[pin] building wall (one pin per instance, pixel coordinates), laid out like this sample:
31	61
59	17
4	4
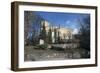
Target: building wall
65	33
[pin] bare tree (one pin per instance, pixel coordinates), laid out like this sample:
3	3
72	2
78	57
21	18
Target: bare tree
32	23
27	23
85	32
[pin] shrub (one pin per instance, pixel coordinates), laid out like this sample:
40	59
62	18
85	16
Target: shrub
41	47
57	48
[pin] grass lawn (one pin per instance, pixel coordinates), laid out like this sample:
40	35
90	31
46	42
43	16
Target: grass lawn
32	54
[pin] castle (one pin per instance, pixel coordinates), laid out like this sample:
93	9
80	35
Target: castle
59	32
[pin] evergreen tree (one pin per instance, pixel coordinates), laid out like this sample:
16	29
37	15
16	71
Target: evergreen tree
43	32
55	35
50	36
58	39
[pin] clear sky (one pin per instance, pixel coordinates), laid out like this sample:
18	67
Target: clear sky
68	20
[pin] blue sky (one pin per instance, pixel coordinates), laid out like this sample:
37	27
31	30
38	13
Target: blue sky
69	20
